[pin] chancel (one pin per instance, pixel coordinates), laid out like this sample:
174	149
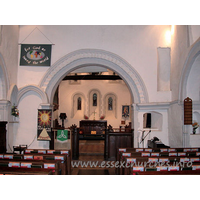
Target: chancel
111	90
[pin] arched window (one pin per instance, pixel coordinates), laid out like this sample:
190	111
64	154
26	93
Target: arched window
79	103
94	99
110	103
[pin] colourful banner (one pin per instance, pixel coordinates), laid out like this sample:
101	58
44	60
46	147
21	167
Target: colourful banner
44	124
35	55
62	135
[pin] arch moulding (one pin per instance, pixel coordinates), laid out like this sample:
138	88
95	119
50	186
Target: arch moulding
192	55
91	57
34	88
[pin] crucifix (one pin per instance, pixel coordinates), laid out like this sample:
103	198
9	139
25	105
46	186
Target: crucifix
94	114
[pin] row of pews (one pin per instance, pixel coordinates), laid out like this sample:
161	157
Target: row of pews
36	162
158	161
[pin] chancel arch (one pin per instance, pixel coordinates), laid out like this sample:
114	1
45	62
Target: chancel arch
88	57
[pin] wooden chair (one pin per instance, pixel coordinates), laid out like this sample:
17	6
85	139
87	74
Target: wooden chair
19	148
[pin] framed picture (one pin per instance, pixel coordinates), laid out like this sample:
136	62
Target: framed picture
125	111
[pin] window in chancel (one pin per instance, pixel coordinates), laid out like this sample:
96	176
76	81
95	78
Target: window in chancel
110	103
94	99
79	103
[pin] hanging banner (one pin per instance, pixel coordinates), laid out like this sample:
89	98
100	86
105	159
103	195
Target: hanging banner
44	124
35	55
62	135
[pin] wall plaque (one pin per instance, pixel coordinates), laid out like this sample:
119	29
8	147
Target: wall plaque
187	111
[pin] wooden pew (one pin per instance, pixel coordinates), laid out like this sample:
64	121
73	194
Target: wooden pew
168	170
27	171
61	159
145	156
152	162
59	152
27	166
184	172
191	149
155	152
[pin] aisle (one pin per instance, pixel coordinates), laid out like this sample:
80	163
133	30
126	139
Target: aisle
91	158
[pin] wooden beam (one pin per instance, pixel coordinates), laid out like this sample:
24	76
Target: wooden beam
92	77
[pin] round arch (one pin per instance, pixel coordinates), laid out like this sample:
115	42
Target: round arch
192	55
34	88
87	57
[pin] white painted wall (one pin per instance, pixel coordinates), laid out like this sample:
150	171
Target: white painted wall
175	125
135	44
193	83
160	132
179	52
8	65
27	127
67	91
9	50
195	33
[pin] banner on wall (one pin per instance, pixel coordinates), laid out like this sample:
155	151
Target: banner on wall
62	135
35	54
44	124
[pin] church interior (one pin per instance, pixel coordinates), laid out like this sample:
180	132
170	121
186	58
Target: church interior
74	95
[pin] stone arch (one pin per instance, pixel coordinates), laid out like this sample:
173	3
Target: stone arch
34	88
4	80
194	52
87	57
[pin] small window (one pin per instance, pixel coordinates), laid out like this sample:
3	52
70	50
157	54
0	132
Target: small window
147	120
94	99
79	103
110	103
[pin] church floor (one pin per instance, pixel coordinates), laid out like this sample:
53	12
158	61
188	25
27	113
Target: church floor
91	155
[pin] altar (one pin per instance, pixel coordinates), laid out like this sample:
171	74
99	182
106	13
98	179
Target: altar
92	129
